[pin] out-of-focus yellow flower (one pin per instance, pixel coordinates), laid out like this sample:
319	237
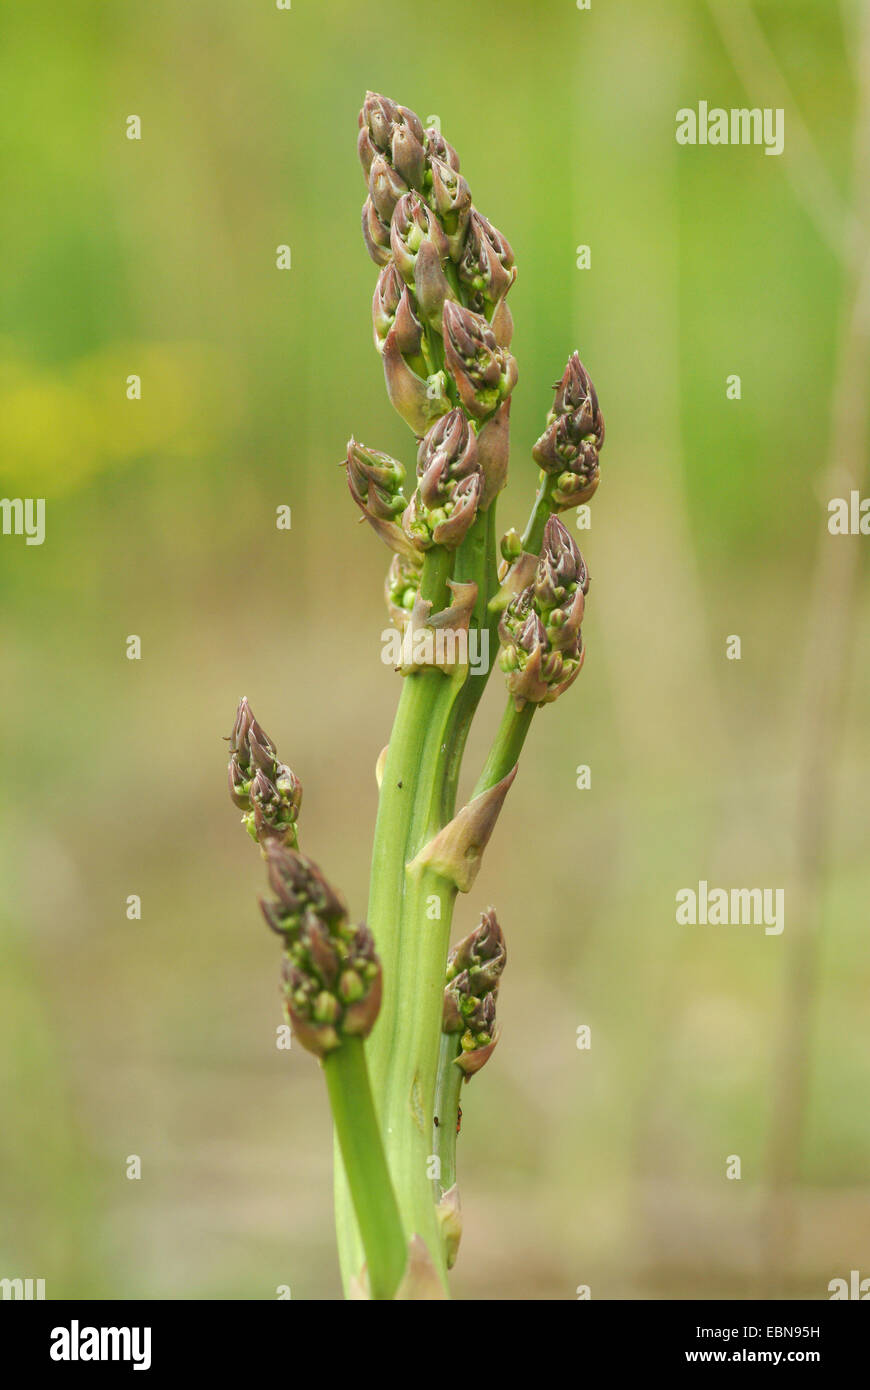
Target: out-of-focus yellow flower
60	427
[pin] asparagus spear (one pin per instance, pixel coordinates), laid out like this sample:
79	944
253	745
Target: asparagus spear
331	986
443	330
469	1036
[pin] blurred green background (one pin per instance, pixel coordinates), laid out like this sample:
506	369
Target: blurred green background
157	257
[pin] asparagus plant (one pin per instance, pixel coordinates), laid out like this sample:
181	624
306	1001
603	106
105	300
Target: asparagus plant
400	1026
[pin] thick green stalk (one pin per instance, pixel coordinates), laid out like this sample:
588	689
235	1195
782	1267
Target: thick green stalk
418	796
424	930
423	692
365	1164
410	1057
409	776
411	901
476	560
385	907
409	1096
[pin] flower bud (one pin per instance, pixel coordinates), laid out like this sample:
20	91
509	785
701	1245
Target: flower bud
449	484
448	524
300	889
511	546
401	588
419	400
413	226
408	151
446	453
275	805
386	187
485	374
409	120
560	585
366	150
391	305
540	628
439	148
376	233
482	955
331	972
451	198
474	970
376	481
267	790
377	117
431	285
570	445
486	265
376	484
332	984
240	786
396	134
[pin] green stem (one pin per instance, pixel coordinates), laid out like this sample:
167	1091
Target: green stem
475	560
503	755
532	539
433	348
365	1164
409	794
424	932
409	1083
450	1078
480	564
507	745
437	569
408	1063
533	536
411	919
386	900
454	282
